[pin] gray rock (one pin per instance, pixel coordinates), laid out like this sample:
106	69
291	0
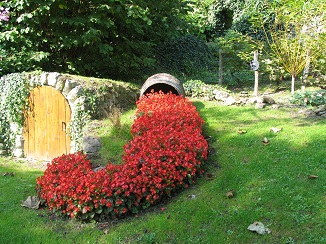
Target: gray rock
75	93
229	101
276	106
91	144
242	101
307	112
320	109
220	95
52	78
98	168
60	84
19	142
322	113
260	105
69	85
32	202
18	152
43	78
268	99
92	156
253	100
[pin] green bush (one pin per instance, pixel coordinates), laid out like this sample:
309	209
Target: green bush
199	89
188	55
94	38
14	91
312	98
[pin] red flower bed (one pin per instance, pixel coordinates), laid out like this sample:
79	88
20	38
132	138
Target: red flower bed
165	155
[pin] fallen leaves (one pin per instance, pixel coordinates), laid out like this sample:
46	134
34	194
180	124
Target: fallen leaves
265	141
313	177
259	228
241	131
230	194
12	174
192	196
276	130
209	176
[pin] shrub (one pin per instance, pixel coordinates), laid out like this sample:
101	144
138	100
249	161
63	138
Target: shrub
165	155
187	55
312	98
96	38
199	89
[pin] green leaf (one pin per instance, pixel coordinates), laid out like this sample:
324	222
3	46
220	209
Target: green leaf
63	6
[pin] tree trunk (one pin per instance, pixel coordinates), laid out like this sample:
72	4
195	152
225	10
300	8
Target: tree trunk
256	75
292	85
305	73
220	70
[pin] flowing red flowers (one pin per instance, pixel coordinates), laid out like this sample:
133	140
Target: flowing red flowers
165	155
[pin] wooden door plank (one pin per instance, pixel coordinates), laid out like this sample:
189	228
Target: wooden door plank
39	123
55	139
67	135
45	137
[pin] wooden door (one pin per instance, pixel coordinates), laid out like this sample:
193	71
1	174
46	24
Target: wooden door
45	130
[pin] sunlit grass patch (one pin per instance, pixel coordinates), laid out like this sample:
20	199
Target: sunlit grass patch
271	184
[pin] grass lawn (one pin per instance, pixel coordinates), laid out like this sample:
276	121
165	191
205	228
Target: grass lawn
271	184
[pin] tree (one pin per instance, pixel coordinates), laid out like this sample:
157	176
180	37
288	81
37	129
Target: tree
112	38
288	37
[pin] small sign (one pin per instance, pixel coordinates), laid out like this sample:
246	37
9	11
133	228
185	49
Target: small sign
254	65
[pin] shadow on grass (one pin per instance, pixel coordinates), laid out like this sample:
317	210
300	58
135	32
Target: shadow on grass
112	145
23	225
272	180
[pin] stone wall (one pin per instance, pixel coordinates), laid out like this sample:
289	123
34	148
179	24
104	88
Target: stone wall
109	94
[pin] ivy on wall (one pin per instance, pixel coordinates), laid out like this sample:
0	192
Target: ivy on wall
14	90
79	118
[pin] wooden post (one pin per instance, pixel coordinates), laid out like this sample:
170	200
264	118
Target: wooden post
220	67
256	75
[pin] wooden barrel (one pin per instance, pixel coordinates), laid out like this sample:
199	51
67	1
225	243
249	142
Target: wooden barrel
162	82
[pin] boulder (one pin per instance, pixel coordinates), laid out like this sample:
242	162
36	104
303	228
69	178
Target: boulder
321	110
220	95
52	78
43	78
307	112
75	93
69	85
268	99
32	202
229	101
260	105
276	106
253	100
91	144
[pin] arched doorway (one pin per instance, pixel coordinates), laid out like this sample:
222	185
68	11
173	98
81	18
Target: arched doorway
45	129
